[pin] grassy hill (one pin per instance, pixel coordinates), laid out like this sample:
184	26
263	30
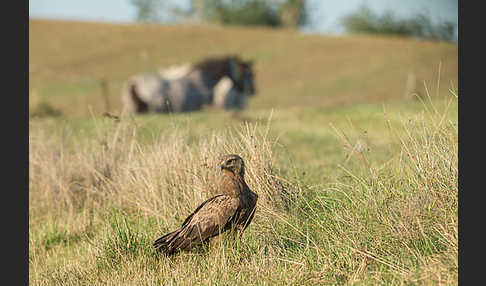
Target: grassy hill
67	60
357	180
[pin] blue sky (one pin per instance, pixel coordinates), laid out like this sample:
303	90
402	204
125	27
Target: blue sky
324	13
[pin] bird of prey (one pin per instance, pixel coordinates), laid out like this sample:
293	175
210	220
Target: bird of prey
231	210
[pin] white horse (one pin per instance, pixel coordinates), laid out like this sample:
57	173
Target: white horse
224	83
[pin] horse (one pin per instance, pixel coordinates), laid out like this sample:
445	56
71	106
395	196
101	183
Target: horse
189	92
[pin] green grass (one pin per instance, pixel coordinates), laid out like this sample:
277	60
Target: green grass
386	214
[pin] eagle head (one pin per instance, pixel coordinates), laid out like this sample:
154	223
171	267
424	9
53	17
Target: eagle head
233	163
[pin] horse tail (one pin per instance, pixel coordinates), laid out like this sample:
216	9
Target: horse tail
141	106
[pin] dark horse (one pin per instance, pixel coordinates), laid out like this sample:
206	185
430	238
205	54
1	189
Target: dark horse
152	93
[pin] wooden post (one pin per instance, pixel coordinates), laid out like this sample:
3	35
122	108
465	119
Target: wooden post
411	89
105	94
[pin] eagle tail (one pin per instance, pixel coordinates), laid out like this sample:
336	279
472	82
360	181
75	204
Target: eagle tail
173	241
163	243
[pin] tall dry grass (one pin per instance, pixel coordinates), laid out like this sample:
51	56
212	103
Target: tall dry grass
96	206
402	215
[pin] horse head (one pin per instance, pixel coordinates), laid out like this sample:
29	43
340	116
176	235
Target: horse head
242	75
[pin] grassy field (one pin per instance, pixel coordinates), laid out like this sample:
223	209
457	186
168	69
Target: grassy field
357	180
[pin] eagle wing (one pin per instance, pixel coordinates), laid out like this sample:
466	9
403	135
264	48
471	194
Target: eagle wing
212	217
247	216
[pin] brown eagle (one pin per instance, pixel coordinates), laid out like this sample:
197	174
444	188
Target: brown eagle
232	209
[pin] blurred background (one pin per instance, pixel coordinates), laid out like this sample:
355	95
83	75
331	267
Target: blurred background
306	53
314	63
